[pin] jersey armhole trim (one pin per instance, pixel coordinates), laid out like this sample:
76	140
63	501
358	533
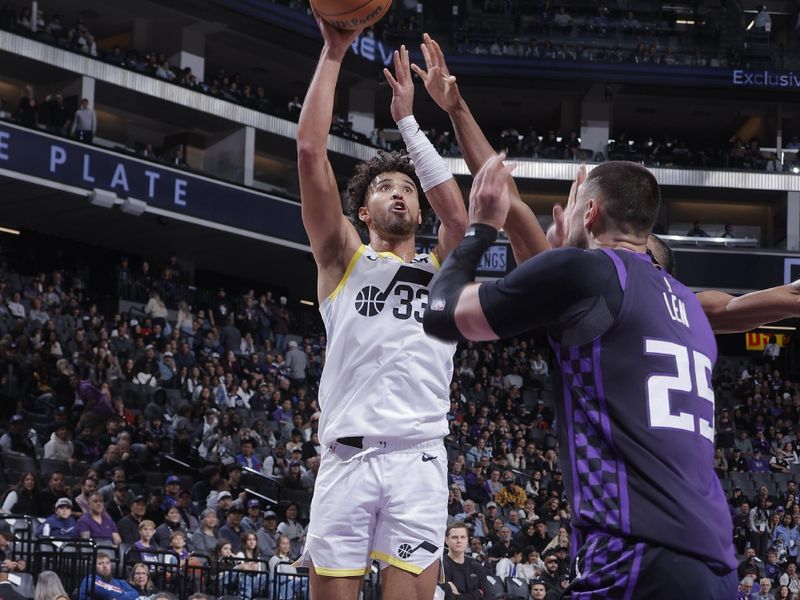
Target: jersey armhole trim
435	260
350	266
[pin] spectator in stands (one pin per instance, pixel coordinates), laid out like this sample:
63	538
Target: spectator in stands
696	231
763	20
23	498
538	590
507	566
510	494
144	550
281	563
96	524
60	446
463	576
106	587
562	20
178	158
791	579
17	439
27	114
84	123
87	488
550	576
253	582
247	457
292	528
204	540
267	534
759	528
252	520
232	531
128	526
8	561
140	581
57	121
785	538
156	309
172	523
296	364
60	524
56	489
49	587
772	352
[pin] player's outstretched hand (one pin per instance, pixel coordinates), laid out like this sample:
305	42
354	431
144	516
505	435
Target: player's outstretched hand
489	201
441	85
559	232
402	85
338	40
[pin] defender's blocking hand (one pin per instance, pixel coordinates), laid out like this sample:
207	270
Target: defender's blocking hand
439	83
489	201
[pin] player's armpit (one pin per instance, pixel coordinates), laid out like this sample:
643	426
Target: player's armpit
728	314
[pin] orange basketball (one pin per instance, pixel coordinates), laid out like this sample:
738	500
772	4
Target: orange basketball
351	14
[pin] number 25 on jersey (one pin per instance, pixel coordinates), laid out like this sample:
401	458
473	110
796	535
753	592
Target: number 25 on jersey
693	373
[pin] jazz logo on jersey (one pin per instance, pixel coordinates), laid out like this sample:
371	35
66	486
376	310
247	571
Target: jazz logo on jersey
371	300
675	306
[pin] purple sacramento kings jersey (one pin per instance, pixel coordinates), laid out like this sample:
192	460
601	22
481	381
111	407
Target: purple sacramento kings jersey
637	417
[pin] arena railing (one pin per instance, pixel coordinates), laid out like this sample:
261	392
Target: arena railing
686	240
72	560
287	585
22	526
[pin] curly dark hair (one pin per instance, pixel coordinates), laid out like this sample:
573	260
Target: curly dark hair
384	162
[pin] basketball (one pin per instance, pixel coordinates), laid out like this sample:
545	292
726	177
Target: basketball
351	14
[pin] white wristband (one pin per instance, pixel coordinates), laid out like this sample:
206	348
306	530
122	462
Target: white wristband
430	167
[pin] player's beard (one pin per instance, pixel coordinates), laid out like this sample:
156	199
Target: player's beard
396	225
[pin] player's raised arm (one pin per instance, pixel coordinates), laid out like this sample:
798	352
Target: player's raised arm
454	309
437	181
729	314
522	228
333	238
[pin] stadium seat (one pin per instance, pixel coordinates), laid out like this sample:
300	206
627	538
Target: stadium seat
516	588
26	587
47	466
80	468
782	479
14	465
795	469
494	587
760	478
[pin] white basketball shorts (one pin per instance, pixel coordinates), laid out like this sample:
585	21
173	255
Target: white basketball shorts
385	502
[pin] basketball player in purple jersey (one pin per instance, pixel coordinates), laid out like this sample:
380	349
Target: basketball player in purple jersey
634	357
726	313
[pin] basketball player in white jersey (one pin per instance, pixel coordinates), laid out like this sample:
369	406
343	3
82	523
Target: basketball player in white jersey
381	493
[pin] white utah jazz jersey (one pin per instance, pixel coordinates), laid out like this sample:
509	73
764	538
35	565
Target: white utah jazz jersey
383	375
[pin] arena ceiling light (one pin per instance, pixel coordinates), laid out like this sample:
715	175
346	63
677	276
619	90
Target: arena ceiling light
102	198
307	302
10	231
132	206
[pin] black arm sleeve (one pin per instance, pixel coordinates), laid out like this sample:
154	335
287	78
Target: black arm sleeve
553	289
456	272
